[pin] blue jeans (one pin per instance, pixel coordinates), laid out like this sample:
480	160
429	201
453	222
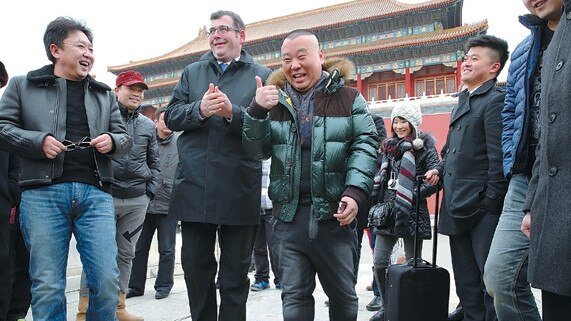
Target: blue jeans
48	217
306	247
505	273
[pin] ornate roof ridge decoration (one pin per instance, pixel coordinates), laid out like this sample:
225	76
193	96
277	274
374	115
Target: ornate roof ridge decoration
320	18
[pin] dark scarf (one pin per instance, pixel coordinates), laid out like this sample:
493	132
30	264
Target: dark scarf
304	105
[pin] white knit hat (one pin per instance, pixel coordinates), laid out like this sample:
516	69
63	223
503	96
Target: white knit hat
411	112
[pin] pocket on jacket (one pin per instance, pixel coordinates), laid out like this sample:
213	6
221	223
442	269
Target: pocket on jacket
279	188
466	199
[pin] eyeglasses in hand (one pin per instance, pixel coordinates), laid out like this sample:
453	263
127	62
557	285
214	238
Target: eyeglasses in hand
221	30
83	143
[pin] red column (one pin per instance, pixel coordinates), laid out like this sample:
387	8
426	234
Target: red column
408	82
458	73
360	84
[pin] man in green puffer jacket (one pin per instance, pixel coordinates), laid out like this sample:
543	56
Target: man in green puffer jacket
322	141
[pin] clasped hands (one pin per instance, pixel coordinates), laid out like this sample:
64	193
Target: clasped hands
215	102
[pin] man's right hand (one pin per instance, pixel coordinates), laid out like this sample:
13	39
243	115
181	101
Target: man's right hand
51	147
266	96
526	225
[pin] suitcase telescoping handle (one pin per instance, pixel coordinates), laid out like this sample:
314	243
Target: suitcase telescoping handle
436	212
419	180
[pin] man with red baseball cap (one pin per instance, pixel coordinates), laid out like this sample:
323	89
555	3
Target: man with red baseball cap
133	187
130	78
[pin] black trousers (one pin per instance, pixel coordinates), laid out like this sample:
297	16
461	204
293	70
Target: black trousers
469	252
555	307
15	282
199	265
166	237
264	256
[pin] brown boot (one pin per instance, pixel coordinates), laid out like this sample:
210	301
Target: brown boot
122	314
81	308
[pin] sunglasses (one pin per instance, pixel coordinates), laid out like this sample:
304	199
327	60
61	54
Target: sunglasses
83	143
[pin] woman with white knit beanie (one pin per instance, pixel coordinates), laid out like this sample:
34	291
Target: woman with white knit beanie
407	152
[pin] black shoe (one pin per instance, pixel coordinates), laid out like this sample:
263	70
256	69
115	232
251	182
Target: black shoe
161	295
456	315
375	303
379	316
132	293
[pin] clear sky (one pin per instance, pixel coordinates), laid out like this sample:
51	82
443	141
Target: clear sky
133	30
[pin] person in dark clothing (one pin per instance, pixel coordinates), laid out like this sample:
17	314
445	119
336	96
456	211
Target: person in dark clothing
474	186
66	127
264	256
14	257
408	151
216	185
157	219
363	223
547	204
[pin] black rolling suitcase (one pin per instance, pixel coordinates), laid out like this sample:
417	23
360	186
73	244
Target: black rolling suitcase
418	290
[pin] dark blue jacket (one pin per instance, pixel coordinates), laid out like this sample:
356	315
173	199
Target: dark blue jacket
515	114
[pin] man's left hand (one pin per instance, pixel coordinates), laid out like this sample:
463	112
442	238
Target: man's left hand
103	143
347	215
226	110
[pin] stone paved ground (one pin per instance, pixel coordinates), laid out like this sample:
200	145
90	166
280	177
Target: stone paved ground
262	306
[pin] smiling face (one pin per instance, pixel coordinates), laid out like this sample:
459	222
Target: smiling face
130	96
228	45
302	62
401	127
549	10
74	59
479	66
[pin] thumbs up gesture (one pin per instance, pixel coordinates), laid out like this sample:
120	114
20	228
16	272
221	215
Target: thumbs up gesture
266	96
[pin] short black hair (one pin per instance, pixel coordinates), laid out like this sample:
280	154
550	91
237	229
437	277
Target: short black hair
58	30
497	45
238	22
3	75
298	33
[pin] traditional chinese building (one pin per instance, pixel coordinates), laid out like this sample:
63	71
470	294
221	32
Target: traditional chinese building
400	50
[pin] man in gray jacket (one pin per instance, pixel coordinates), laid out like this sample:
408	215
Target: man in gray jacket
65	126
136	182
157	218
548	202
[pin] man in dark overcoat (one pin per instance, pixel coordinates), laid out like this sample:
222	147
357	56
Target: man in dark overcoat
548	202
474	185
216	185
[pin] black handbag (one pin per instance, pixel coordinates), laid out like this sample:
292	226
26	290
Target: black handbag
382	215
